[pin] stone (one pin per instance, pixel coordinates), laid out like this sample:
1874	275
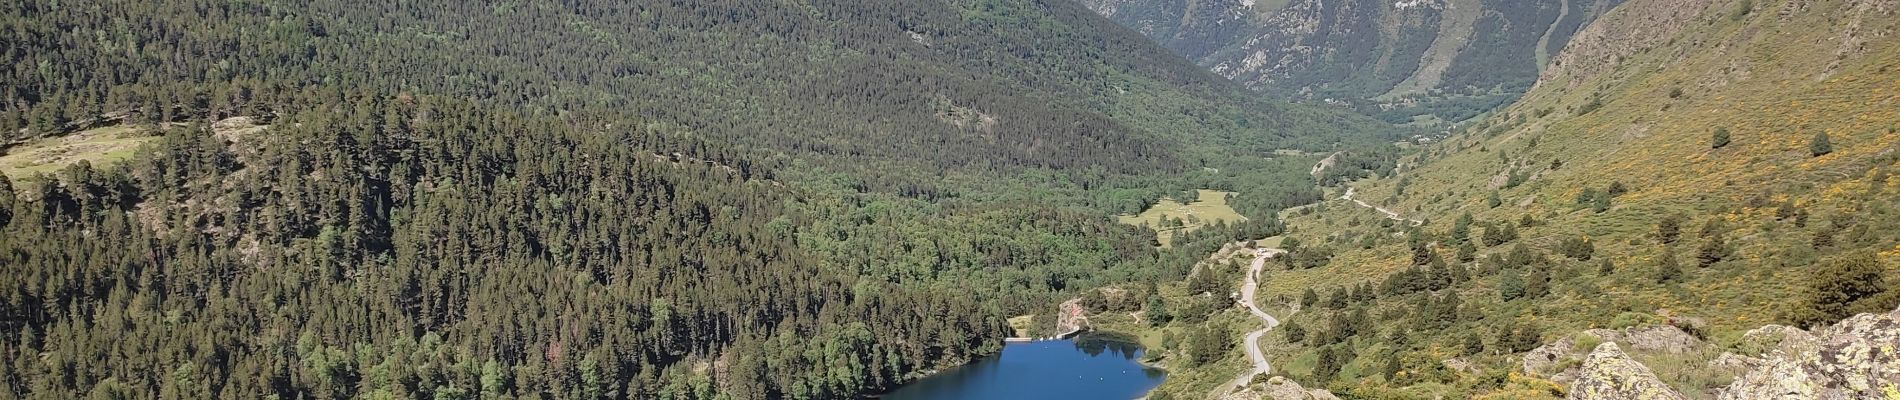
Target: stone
1541	358
1662	338
1609	374
1858	358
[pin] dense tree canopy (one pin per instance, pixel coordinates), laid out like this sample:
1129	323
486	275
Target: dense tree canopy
592	198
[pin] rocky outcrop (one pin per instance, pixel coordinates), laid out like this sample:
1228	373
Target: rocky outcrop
1545	360
1664	338
1543	357
1280	388
1856	359
1766	340
1609	374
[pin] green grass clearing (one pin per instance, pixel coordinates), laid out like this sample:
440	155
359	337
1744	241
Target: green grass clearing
98	146
1170	215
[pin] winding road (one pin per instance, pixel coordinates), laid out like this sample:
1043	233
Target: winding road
1247	290
1252	285
1389	214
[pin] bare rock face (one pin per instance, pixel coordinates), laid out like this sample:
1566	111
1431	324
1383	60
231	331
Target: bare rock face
1769	339
1542	357
1280	388
1856	359
1735	363
1543	360
1663	338
1609	374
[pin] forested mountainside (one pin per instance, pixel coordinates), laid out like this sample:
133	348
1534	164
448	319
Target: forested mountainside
1433	61
1695	181
690	199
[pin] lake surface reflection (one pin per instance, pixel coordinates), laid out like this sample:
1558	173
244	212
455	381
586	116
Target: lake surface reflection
1088	367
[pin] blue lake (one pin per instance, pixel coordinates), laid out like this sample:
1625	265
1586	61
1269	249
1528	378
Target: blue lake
1083	368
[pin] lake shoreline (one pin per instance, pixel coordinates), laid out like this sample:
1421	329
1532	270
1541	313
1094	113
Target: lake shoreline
1037	369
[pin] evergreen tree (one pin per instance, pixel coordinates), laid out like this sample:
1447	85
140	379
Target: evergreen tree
1617	189
1510	285
1667	270
7	198
1294	332
1823	239
1461	230
1337	300
1328	364
1820	146
1473	344
1581	248
1669	229
1207	344
1537	283
1712	251
1308	298
1492	200
1844	286
1156	311
1601	202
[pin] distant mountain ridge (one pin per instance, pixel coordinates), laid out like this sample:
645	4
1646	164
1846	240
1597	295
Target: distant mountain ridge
1447	60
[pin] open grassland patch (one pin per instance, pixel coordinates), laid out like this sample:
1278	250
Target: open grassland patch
1169	215
98	146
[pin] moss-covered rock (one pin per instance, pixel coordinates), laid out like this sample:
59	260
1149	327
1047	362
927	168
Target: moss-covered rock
1858	358
1610	374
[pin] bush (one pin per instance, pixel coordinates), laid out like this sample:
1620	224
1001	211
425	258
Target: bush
1719	139
1578	248
1845	286
1669	229
1712	251
1820	146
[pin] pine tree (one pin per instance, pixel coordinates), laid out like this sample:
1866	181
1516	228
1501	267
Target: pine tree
1337	300
1327	366
1669	229
1820	146
1667	270
1473	344
1156	311
1308	298
6	201
1510	285
1712	251
1845	286
1461	230
1537	283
